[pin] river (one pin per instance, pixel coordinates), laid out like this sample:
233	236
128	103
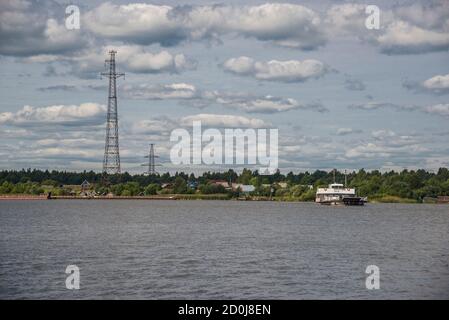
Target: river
161	249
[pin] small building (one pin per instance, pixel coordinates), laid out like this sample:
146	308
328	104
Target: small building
166	185
443	199
192	184
223	183
85	186
283	185
244	188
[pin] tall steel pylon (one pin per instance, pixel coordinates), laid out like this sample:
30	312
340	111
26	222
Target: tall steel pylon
111	161
151	161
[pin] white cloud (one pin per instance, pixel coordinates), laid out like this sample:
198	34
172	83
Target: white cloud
224	121
160	92
275	70
415	28
26	29
284	24
69	143
135	22
32	28
199	98
368	150
427	15
267	104
144	62
380	150
402	37
241	65
64	153
388	144
346	131
439	109
407	29
260	104
437	84
85	113
346	19
288	25
162	126
373	105
383	134
133	58
156	126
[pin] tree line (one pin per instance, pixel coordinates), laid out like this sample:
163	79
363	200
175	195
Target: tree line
406	184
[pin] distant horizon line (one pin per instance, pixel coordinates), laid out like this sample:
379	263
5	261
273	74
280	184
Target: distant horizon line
238	171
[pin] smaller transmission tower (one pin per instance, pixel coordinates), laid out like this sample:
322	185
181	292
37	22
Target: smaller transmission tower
151	161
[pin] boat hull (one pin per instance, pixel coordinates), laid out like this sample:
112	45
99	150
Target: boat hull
346	201
354	201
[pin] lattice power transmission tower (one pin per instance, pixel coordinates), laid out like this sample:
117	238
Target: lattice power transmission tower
111	161
151	161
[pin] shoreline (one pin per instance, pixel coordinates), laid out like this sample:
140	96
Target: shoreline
186	197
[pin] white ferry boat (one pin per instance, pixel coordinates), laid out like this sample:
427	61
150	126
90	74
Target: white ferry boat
337	194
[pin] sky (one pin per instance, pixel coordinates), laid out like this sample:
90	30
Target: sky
341	95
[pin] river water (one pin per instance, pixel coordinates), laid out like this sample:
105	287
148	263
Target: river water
221	250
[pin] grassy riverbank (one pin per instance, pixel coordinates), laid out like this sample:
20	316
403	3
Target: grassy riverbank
224	196
391	199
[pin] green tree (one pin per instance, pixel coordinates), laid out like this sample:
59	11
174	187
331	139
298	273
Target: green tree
152	189
245	176
49	182
309	195
6	187
132	188
255	181
211	188
180	185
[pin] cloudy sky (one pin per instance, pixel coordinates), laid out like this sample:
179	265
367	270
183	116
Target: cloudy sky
340	94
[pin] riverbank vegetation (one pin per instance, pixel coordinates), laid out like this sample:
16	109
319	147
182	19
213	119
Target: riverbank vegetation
392	186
